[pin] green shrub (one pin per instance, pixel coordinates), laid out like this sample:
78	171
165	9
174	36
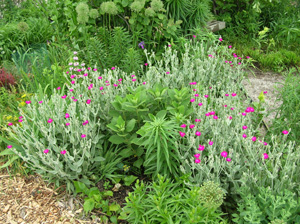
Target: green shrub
165	201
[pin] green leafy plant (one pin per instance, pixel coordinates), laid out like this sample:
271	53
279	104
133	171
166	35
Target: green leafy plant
265	206
94	199
165	201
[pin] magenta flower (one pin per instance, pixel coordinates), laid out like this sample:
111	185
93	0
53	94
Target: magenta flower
201	147
224	154
192	100
146	64
50	121
113	68
28	102
206	96
115	85
183	126
233	94
265	92
94	69
247	57
83	136
210	142
101	88
167	73
228	159
266	156
220	39
67	124
230	117
232	108
58	88
86	122
88	101
20	117
144	83
192	126
89	68
85	74
72	97
239	63
265	143
169	45
71	90
230	62
194	36
64	96
133	80
73	82
75	100
226	61
207	114
100	77
198	133
215	117
200	104
10	124
197	120
285	132
63	152
182	134
40	102
244	136
9	146
67	115
120	80
254	139
229	46
244	114
226	94
212	113
67	72
245	127
106	81
196	95
46	151
20	120
194	90
225	105
197	156
72	76
197	160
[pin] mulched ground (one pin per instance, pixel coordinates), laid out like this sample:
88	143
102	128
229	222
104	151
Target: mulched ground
30	200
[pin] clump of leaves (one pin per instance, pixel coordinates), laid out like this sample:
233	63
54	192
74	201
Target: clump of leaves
211	194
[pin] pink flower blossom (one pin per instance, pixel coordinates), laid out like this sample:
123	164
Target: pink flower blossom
169	45
215	117
230	62
71	90
75	100
67	115
192	126
46	151
182	134
197	120
232	108
254	139
167	73
239	63
230	117
20	120
266	156
63	152
40	102
197	160
101	88
113	68
244	114
206	96
265	143
9	146
88	101
196	95
194	90
64	96
226	61
133	80
200	104
85	74
72	76
67	124
212	113
120	80
244	136
265	92
194	36
10	124
58	88
245	127
89	68
50	121
146	64
228	159
198	133
233	94
220	39
83	136
210	142
225	105
86	122
27	102
73	82
115	85
192	100
183	126
224	154
285	132
197	155
144	83
229	46
67	72
226	94
201	147
94	69
247	57
20	117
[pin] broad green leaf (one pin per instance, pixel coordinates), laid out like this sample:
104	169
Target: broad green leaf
93	191
125	153
99	159
114	207
128	180
130	125
108	193
114	219
120	121
81	188
161	114
140	151
115	139
89	205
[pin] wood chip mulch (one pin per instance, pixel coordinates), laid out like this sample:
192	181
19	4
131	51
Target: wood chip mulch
29	200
